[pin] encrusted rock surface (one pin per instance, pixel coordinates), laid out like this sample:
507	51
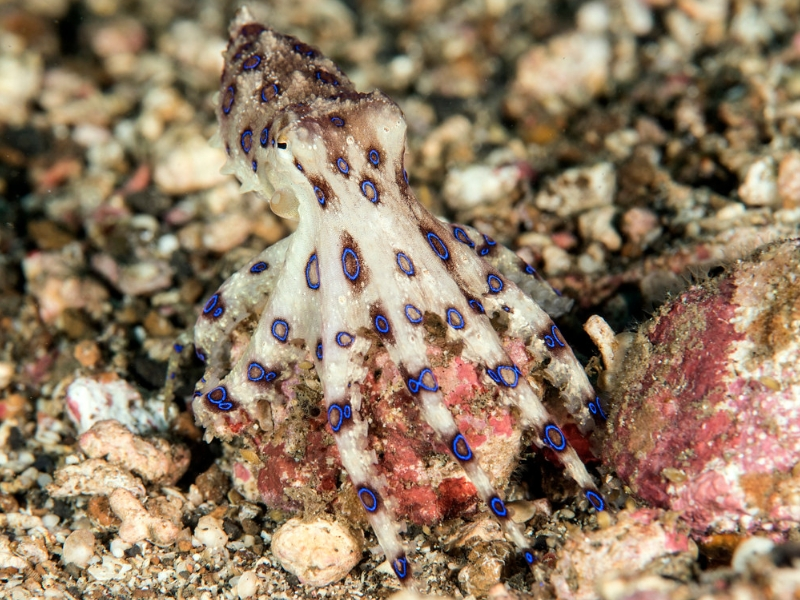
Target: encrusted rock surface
705	417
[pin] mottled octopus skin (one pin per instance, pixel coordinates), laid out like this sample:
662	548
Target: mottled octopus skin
371	296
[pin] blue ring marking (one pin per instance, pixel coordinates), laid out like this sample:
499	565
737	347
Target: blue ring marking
178	348
341	414
489	241
484	251
220	403
299	166
320	195
201	357
459	324
319	351
251	62
405	264
462	237
498	507
275	92
264	137
344	339
596	500
371	505
493	374
210	304
366	187
218	312
405	176
400	566
247	140
529	556
304	49
415	385
277	323
326	77
312	263
558	447
338	121
596	408
345	253
476	305
530	270
553	339
335	413
495	284
259	267
255	166
232	91
503	380
374	157
432	238
417	318
507	309
342	165
467	454
381	324
260	373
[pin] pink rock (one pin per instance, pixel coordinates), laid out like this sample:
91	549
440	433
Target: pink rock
705	419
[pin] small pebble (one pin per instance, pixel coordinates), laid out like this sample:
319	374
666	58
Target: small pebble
318	552
93	399
578	189
78	548
50	520
210	533
248	584
748	550
87	353
479	185
6	373
566	72
789	180
759	187
597	225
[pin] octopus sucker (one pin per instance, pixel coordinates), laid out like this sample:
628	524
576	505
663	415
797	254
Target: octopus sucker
383	299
